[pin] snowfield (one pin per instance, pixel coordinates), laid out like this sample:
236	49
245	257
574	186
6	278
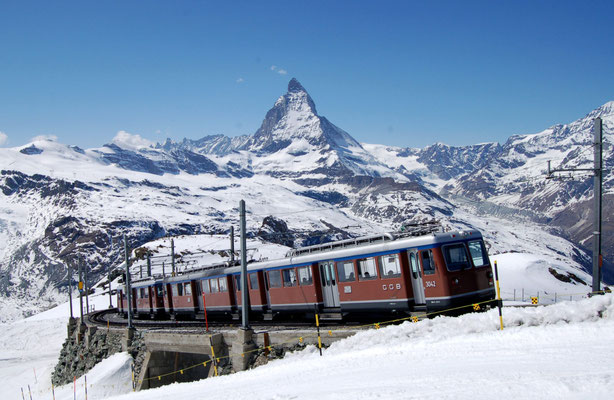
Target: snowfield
560	351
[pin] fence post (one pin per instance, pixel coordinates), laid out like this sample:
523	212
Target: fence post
499	301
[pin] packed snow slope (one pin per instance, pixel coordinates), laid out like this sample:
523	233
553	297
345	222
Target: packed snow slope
561	351
304	180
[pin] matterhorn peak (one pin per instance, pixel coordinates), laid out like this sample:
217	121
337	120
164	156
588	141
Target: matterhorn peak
295	86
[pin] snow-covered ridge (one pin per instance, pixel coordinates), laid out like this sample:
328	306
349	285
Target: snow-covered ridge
61	203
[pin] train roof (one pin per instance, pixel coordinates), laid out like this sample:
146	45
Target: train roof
369	248
329	251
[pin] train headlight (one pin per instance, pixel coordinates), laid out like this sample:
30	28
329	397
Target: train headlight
490	275
455	281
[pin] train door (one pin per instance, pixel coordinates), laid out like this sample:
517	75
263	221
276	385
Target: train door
416	277
330	291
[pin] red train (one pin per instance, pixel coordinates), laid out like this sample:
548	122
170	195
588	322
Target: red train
376	274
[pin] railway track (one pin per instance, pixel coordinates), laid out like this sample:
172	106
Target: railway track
111	318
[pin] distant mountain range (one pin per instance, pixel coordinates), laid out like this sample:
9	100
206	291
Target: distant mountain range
304	179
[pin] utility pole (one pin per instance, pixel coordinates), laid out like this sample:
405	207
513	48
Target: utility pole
109	276
128	285
232	245
598	185
173	256
110	296
70	290
148	263
87	289
244	288
80	293
597	171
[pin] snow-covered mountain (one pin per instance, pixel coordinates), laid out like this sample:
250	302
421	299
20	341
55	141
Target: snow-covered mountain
304	180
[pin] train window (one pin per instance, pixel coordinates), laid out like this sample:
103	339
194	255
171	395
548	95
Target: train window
223	285
180	289
174	290
456	257
274	279
253	280
478	253
345	270
389	266
289	277
304	276
367	269
205	286
428	263
159	291
238	282
187	289
197	289
214	286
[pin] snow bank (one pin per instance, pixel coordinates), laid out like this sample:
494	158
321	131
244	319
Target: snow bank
560	351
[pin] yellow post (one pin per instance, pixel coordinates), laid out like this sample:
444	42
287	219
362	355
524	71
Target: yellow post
213	356
499	301
319	338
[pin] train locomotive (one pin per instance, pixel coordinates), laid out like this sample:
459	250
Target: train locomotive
383	274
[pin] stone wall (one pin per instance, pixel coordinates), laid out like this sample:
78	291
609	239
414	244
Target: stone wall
85	348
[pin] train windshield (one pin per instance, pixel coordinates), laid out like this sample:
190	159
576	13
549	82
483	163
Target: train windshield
478	253
456	257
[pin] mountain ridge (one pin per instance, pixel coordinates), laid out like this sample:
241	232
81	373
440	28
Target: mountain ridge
64	205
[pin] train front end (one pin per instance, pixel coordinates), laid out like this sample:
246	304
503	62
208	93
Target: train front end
463	280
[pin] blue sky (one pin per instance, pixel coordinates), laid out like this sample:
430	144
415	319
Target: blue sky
403	73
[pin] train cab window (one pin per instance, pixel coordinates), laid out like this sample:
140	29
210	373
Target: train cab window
205	286
289	277
428	263
367	269
223	285
304	276
389	266
214	286
274	279
478	253
345	271
456	257
180	289
187	289
253	280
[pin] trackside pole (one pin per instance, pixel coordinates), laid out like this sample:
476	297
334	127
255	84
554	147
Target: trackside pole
244	288
213	356
318	328
499	301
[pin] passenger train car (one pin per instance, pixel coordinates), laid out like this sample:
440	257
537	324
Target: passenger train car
376	274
